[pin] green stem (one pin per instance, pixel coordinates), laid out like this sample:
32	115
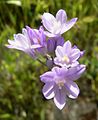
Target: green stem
41	62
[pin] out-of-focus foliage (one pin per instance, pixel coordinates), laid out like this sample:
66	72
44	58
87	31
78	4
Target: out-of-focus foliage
20	87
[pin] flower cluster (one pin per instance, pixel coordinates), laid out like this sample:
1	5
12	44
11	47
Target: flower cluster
62	58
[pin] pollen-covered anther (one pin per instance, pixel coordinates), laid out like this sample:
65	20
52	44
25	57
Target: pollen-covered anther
65	59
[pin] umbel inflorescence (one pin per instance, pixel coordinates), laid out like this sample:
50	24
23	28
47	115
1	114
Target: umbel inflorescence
61	57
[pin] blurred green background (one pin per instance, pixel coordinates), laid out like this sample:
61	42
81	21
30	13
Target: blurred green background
20	88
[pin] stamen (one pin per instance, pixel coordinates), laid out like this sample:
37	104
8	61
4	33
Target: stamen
65	59
60	84
38	41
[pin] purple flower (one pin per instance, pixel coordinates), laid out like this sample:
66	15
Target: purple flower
59	83
31	41
57	26
67	55
52	43
38	39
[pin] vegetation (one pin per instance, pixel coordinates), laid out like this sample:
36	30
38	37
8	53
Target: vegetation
20	87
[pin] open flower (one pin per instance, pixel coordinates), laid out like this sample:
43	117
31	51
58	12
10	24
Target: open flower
59	83
67	55
31	41
57	26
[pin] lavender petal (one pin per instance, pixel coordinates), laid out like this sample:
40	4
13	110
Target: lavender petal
48	90
47	77
75	54
75	72
67	47
61	16
72	89
59	52
48	21
68	25
60	98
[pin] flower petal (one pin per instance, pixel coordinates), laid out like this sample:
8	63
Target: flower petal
75	54
68	25
36	46
54	42
61	16
59	52
15	45
74	64
48	21
75	72
60	72
42	36
60	98
33	35
47	77
50	34
51	45
82	53
48	90
72	89
60	41
67	47
57	61
21	40
25	33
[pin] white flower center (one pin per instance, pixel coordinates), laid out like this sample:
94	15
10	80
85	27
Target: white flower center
65	59
60	82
